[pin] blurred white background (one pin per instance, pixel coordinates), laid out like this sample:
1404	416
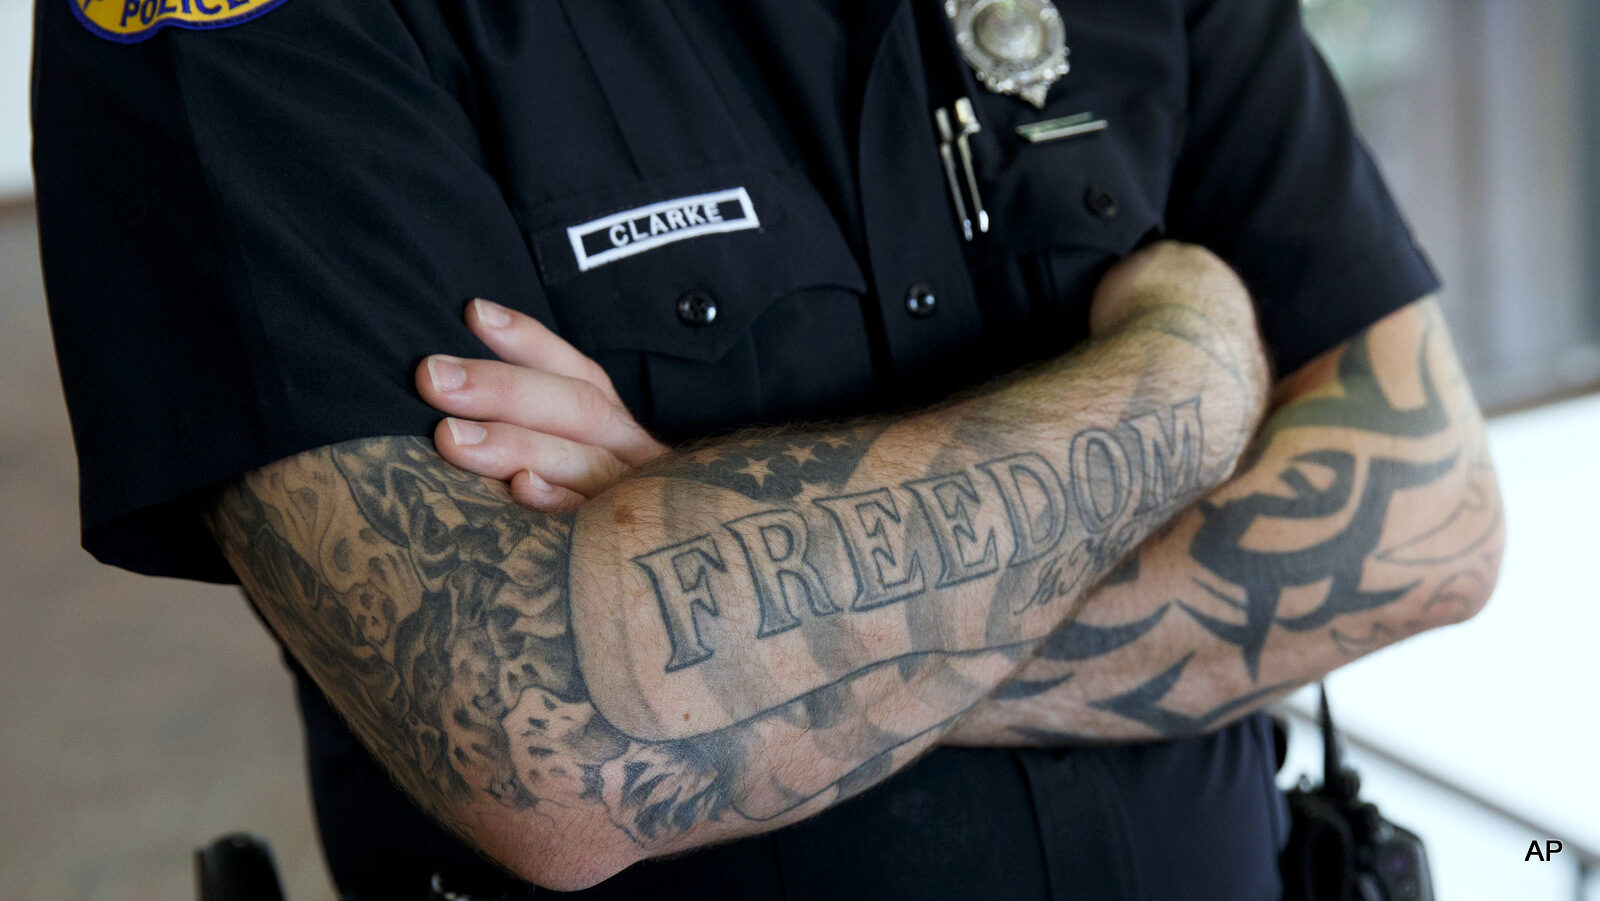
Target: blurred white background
140	717
16	37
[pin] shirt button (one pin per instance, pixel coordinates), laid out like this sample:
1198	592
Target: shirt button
1100	202
697	308
920	301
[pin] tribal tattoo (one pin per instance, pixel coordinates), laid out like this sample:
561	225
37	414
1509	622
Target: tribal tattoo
1355	489
1319	546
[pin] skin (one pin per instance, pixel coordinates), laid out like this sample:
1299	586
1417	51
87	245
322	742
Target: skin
1368	511
727	639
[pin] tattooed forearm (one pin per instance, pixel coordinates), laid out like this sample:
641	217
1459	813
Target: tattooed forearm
1367	512
978	554
738	637
1264	577
773	585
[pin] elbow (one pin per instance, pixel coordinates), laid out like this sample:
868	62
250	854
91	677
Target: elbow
1485	567
571	872
1489	579
1483	580
1464	582
1462	594
558	856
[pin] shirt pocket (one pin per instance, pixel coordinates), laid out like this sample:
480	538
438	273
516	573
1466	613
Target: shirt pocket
1087	192
670	275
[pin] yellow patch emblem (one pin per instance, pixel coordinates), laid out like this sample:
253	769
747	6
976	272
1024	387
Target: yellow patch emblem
131	21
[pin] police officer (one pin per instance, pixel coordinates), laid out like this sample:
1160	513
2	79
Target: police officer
258	216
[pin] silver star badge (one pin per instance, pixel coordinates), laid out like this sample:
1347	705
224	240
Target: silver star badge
1017	47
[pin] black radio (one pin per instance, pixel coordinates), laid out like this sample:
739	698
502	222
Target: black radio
1340	847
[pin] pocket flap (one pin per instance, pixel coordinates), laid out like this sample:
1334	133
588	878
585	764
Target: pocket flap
1075	193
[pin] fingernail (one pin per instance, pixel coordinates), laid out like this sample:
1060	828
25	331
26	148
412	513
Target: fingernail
466	433
537	484
491	314
447	373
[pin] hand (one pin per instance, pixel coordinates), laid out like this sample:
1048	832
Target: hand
544	417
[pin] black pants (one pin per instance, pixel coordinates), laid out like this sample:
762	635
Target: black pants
1194	819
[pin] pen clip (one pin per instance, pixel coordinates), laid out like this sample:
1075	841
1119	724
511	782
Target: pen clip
967	118
947	135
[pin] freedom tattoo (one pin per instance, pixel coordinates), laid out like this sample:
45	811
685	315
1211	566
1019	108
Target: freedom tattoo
881	530
800	581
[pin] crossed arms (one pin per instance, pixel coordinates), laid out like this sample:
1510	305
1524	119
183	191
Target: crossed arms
731	639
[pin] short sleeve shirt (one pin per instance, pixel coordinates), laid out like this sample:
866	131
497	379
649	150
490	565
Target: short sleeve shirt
252	233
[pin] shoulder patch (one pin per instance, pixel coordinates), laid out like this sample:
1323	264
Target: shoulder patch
131	21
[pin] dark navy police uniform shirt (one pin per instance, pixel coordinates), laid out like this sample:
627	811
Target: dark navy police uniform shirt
253	233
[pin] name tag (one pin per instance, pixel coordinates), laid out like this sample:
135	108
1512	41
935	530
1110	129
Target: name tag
645	228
